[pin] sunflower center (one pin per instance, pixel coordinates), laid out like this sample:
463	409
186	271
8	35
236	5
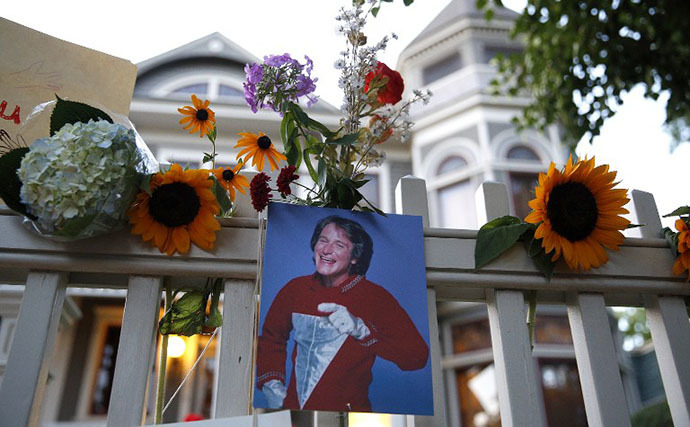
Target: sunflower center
174	204
201	114
228	175
572	210
264	142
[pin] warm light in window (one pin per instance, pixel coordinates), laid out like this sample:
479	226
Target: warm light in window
359	419
176	346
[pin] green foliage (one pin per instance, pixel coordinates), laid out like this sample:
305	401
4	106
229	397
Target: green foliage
632	322
73	112
581	56
657	415
221	196
498	235
683	210
188	315
11	185
375	10
672	240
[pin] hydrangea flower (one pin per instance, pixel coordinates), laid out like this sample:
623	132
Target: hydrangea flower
83	177
280	78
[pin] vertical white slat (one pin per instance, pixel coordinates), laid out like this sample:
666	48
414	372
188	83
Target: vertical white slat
234	369
135	351
519	397
410	199
668	321
597	364
519	400
27	366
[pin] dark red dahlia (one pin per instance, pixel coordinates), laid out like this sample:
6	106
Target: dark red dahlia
287	175
260	191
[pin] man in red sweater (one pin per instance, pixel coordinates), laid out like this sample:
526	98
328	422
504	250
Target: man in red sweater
340	322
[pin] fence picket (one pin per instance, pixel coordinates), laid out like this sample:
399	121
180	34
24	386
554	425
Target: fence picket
135	352
233	376
27	366
597	364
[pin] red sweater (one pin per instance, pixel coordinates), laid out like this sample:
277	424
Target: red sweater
345	383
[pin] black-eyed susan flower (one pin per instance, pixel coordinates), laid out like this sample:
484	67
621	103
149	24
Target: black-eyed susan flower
682	262
258	147
230	179
198	117
180	208
578	212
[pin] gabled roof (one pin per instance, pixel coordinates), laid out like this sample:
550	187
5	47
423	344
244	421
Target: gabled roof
214	45
455	11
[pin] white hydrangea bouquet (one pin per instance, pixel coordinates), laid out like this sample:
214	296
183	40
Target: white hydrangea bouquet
80	181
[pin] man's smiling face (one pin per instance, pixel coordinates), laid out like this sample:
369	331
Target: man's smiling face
333	255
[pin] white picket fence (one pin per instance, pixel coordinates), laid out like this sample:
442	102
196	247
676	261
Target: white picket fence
638	274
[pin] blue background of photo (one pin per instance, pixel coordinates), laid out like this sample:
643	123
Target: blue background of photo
397	264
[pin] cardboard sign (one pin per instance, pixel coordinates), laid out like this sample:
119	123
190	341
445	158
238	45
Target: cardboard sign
35	67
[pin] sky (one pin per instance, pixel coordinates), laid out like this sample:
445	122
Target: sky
632	141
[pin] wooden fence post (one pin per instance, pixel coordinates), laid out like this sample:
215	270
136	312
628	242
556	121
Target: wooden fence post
410	199
519	399
27	366
668	322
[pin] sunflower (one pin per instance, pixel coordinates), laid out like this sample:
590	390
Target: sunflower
180	208
682	262
199	117
578	212
230	179
256	147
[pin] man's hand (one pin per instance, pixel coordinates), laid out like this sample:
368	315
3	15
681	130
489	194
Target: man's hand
343	321
275	392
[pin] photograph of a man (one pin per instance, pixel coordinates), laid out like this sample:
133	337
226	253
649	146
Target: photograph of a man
337	320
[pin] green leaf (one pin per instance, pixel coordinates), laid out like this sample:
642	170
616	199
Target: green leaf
322	169
375	11
535	250
287	118
672	240
73	112
11	185
292	148
215	319
221	196
631	225
212	134
207	157
683	210
307	161
496	237
186	315
348	139
300	115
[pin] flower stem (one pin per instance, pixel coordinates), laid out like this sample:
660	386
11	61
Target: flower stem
162	363
531	314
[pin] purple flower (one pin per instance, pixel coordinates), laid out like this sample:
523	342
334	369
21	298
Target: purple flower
279	79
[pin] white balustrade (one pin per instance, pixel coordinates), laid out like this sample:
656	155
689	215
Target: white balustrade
638	274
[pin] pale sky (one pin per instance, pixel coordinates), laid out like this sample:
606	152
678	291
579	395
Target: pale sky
632	142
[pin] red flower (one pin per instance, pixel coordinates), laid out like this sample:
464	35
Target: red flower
260	191
390	92
193	417
287	175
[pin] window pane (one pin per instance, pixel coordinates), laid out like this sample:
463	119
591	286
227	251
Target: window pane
441	68
471	336
104	376
562	393
451	164
522	191
197	89
552	330
521	152
224	90
478	396
456	206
